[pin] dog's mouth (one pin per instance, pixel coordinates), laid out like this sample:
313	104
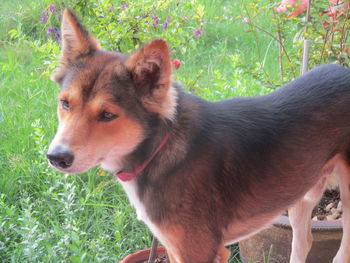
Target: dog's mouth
63	160
65	167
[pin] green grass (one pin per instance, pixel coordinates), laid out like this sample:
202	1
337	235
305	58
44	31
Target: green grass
46	216
222	39
49	217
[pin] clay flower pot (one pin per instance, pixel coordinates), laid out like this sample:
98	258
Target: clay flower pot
274	243
141	256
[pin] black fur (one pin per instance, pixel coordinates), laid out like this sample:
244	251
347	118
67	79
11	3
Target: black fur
247	150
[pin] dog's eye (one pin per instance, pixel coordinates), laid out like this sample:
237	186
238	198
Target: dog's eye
65	104
107	116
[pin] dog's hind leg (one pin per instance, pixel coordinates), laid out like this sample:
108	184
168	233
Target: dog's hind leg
300	219
343	171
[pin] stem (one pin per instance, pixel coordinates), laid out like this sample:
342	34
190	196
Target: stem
258	47
305	62
272	36
280	41
153	254
280	51
343	34
324	46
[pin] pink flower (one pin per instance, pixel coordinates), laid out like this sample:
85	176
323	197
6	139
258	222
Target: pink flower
176	63
292	8
284	5
338	8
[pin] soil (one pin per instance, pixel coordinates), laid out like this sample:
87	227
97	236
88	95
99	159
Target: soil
161	258
329	207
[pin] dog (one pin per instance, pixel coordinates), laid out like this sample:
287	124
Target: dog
202	175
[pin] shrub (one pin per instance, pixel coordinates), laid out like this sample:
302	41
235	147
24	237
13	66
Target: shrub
326	29
124	26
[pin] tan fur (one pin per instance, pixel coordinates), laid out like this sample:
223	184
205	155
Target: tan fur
74	43
300	212
184	246
173	237
223	255
163	98
239	230
95	141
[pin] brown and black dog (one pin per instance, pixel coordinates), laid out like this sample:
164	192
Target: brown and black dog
202	175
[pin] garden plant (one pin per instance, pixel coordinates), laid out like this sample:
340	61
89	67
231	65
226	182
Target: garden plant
220	49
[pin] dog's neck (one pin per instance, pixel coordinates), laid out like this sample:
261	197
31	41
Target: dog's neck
155	133
172	152
128	176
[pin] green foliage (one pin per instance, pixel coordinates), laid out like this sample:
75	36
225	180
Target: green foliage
327	32
47	52
125	25
238	81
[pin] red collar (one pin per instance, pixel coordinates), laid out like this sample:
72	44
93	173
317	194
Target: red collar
128	176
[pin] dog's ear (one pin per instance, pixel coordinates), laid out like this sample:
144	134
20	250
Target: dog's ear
76	42
150	69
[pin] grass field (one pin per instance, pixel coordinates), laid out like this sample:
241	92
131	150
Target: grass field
50	217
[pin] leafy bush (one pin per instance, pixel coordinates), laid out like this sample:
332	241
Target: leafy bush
237	81
124	26
326	29
120	26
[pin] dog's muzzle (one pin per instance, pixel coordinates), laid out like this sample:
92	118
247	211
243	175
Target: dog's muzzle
60	157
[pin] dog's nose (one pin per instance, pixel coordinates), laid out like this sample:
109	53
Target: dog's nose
60	157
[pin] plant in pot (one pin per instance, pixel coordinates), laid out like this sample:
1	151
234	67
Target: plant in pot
153	255
326	32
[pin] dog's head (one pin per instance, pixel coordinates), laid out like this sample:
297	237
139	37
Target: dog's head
106	100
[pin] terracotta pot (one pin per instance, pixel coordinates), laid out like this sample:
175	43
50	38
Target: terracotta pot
274	243
141	256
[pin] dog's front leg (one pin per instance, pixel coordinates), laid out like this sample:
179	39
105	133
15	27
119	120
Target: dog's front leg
223	255
300	219
196	245
191	254
343	254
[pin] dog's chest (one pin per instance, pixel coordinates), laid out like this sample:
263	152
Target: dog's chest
130	188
